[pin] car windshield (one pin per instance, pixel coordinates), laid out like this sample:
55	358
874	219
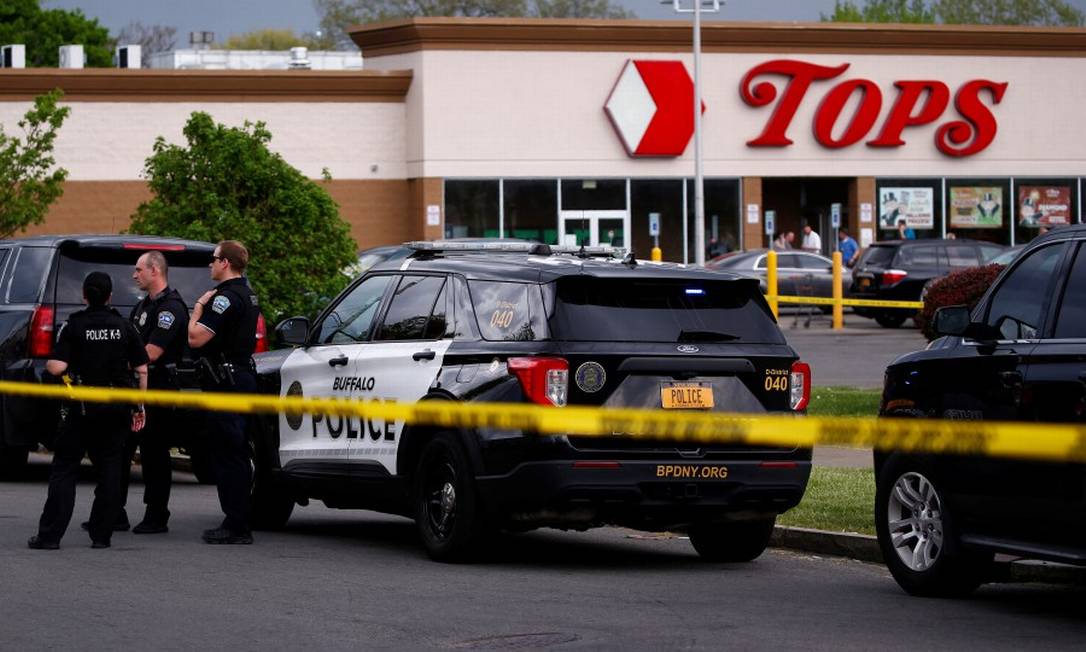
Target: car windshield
665	310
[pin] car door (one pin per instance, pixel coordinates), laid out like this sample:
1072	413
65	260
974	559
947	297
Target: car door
789	274
402	362
818	274
986	381
326	367
1055	390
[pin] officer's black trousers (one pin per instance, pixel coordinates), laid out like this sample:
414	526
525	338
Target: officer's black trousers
154	442
230	451
101	433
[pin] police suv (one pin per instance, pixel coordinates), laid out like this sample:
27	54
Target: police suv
527	323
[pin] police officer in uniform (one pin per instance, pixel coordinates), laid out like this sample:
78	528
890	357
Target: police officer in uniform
222	334
161	319
96	347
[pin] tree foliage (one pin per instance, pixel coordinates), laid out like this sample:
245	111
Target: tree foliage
339	15
273	39
226	184
43	31
28	181
968	12
962	288
152	39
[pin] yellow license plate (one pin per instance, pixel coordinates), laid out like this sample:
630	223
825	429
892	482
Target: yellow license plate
689	396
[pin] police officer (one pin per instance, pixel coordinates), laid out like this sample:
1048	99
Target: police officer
97	347
161	319
222	334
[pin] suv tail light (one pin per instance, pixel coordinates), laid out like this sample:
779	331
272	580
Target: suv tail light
893	277
545	380
800	385
261	335
40	339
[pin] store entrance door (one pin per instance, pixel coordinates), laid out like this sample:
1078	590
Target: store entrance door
594	228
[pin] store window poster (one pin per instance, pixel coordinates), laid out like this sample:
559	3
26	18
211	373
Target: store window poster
914	205
976	207
1044	205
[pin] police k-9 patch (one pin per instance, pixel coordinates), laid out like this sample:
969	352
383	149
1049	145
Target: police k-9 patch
220	304
165	320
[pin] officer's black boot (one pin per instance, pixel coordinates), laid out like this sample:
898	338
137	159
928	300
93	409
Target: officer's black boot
154	522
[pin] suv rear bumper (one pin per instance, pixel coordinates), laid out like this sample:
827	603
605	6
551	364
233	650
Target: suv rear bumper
643	493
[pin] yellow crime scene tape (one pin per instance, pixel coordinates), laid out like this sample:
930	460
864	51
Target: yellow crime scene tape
871	303
1063	442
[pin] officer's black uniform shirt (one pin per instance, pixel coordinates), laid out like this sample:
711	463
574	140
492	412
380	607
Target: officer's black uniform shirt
231	315
162	321
101	347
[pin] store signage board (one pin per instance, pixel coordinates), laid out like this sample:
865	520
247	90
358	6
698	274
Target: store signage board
770	222
654	224
649	108
835	215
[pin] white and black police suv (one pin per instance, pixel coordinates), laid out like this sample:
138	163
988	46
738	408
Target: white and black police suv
527	323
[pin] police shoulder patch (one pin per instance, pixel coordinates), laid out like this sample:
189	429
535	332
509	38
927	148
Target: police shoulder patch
165	319
220	304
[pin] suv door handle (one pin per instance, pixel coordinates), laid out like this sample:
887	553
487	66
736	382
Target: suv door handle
423	355
1011	378
341	361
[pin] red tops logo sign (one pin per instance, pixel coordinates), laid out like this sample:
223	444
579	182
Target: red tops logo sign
972	130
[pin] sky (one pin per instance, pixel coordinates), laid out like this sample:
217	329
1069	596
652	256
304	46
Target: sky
227	17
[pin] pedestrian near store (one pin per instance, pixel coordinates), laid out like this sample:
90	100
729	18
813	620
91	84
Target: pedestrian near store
811	240
161	319
904	231
100	348
222	334
784	241
846	244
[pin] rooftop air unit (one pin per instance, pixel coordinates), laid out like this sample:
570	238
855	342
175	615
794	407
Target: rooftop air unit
13	56
128	56
299	59
71	56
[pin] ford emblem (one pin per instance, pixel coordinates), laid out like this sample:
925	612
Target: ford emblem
687	348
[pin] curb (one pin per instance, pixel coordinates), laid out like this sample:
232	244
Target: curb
864	547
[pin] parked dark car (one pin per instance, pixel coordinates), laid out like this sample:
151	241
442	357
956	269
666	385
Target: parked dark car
41	283
799	273
898	270
1020	355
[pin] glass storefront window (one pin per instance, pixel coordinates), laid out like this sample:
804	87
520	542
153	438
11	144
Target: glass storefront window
471	208
916	202
722	220
1043	203
979	209
665	198
531	209
593	194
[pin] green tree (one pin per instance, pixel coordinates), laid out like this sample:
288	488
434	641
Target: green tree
226	184
339	15
958	12
28	181
271	39
43	31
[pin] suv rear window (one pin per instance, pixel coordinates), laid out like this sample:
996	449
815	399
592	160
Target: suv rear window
509	311
29	276
678	310
879	256
188	274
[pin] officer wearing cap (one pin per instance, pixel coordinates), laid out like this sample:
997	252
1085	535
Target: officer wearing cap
96	347
222	334
161	319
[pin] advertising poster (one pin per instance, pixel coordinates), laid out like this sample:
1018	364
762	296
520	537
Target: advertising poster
1044	205
914	205
976	207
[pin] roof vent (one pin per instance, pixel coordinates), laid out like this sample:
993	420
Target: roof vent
71	56
13	56
128	56
299	58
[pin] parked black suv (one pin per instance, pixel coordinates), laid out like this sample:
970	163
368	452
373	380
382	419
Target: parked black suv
529	325
41	283
898	270
1020	355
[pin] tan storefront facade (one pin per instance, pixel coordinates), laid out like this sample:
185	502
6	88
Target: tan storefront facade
522	128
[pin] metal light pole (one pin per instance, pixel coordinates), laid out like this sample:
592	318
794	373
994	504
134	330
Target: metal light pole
712	6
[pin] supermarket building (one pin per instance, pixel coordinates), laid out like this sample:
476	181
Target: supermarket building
580	130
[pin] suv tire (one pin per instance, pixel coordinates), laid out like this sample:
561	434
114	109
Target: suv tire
13	461
731	541
271	500
917	535
890	319
448	514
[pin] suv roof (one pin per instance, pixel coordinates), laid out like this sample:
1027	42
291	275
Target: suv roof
106	240
928	241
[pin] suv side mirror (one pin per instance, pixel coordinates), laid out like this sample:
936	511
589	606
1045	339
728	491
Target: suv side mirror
952	320
292	331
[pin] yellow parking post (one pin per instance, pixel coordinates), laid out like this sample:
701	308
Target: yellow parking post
838	306
771	281
657	254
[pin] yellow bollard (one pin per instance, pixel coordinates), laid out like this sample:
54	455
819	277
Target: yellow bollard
838	306
771	281
657	254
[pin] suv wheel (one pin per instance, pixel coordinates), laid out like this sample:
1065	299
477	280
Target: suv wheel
890	319
731	541
916	534
271	500
447	510
13	460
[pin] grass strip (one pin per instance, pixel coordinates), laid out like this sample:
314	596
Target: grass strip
838	500
844	402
